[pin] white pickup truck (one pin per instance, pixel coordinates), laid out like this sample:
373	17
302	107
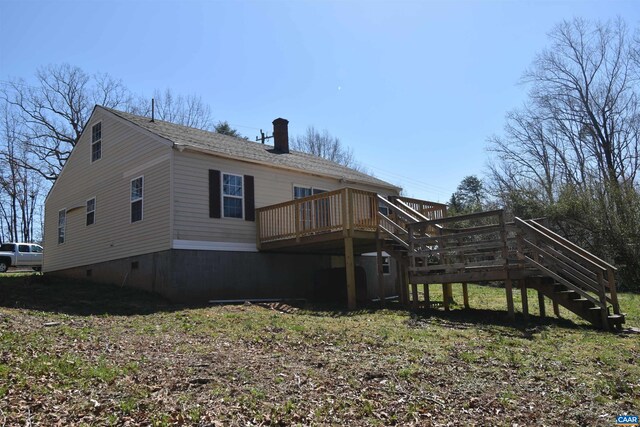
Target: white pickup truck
20	255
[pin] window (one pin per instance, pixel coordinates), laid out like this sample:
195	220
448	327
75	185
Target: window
62	224
96	142
232	196
137	189
386	266
23	248
315	213
383	209
300	192
91	211
36	249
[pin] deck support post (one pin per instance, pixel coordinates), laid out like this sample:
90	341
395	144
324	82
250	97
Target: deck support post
541	304
465	294
414	295
380	270
427	297
556	309
349	264
446	295
508	286
525	299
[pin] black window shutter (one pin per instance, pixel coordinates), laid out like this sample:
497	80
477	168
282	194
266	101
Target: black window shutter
249	199
214	193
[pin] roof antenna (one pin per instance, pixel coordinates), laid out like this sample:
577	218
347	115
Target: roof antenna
153	109
263	137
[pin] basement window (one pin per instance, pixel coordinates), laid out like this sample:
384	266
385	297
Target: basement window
96	142
386	266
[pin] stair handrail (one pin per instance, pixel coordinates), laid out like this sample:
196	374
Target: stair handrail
570	244
384	218
396	208
608	269
599	269
561	242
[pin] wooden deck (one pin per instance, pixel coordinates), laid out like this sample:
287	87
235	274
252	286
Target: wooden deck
431	248
319	223
341	222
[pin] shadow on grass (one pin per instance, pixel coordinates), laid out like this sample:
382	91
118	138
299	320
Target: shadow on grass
465	318
76	297
457	317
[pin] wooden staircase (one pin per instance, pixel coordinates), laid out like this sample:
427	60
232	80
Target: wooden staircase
483	247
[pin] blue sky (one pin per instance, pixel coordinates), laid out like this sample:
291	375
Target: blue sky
415	88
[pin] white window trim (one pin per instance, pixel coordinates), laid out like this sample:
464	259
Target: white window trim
95	142
222	195
64	228
95	206
293	189
132	201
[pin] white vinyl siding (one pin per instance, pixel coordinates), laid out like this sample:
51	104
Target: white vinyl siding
271	185
130	153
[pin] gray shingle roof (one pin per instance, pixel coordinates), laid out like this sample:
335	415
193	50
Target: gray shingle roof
241	149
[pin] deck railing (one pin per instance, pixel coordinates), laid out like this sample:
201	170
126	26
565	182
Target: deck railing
339	210
430	210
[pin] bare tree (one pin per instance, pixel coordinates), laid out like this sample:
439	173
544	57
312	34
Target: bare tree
54	112
20	187
186	110
323	144
574	149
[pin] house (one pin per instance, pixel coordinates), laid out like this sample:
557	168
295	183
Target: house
199	216
195	215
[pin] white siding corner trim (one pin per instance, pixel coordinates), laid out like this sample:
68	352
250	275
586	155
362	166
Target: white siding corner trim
201	245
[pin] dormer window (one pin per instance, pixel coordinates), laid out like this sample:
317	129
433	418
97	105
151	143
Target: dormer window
96	142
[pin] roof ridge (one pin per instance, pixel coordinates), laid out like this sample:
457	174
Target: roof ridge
246	150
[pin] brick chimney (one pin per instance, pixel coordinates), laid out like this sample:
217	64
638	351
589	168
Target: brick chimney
281	135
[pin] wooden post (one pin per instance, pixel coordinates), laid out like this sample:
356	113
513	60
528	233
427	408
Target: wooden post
349	264
611	278
525	299
556	309
508	286
465	294
345	213
297	207
604	313
380	270
258	230
402	291
445	295
414	294
427	298
541	304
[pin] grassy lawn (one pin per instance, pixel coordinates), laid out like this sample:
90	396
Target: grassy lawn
72	353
